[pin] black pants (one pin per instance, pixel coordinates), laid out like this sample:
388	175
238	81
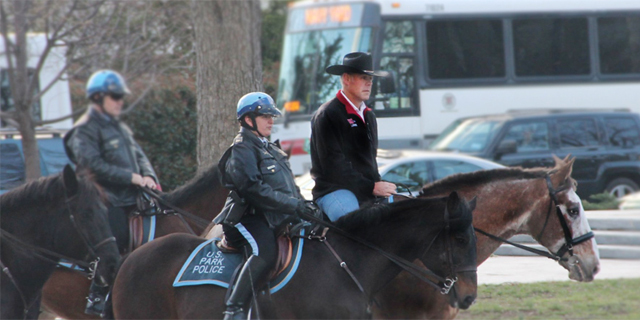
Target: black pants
119	223
254	234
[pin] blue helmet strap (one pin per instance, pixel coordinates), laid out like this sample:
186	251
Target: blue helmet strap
252	116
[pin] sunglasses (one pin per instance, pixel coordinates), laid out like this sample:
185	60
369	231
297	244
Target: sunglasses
116	96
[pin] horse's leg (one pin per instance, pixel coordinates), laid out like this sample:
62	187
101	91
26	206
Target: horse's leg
65	294
46	314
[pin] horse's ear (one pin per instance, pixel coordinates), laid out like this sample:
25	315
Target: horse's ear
70	181
453	201
472	203
563	168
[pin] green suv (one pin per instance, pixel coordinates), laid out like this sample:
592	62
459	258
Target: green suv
606	144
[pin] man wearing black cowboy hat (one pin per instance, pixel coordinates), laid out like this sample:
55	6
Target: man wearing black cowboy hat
344	142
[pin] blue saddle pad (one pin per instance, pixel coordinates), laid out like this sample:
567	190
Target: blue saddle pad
208	265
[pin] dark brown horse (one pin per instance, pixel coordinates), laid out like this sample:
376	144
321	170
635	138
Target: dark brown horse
42	221
510	201
64	294
320	289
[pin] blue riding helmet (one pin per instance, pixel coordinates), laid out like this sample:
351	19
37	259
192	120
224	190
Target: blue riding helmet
106	81
257	102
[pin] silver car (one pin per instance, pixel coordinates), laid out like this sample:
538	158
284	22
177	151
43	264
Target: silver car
412	169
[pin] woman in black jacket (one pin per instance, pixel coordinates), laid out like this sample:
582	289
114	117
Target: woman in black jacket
258	174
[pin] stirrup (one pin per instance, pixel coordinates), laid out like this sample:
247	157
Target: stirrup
234	313
95	306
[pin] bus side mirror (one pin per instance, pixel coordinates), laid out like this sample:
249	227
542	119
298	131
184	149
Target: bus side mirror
387	83
506	147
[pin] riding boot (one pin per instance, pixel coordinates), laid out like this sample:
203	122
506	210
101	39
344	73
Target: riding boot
96	299
251	277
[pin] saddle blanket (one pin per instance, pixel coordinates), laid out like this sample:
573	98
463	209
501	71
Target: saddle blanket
208	265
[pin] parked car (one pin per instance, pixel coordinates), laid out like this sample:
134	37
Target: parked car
12	167
412	169
606	144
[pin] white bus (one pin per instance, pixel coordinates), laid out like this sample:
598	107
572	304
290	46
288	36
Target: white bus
54	103
458	58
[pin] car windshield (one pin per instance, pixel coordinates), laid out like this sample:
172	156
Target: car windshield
470	135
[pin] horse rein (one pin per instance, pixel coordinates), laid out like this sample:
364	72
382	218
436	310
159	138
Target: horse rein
175	210
569	240
443	284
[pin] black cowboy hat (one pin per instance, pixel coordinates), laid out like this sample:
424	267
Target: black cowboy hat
355	62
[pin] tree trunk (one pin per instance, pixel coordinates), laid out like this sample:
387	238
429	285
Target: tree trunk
229	65
22	99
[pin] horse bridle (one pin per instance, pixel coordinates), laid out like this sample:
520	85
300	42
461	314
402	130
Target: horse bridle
568	236
45	254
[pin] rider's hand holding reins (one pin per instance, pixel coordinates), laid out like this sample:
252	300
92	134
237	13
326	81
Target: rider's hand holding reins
384	189
139	180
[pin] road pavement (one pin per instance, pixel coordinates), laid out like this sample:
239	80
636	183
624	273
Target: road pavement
504	269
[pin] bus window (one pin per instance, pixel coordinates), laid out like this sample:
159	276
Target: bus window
398	57
465	49
619	44
551	47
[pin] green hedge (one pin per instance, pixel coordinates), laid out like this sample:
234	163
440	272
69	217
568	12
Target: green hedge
164	124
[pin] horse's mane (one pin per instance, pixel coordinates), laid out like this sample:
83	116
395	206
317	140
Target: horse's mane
194	187
34	193
377	214
456	181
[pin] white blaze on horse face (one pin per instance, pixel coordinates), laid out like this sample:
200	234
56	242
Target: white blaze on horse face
579	225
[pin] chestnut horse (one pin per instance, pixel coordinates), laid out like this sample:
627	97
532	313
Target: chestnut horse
43	221
64	294
511	201
320	289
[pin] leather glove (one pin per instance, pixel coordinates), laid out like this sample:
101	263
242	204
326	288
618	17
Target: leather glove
307	208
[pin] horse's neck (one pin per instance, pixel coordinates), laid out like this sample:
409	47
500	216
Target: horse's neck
371	268
504	210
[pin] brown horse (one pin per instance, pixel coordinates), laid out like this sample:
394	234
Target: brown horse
65	291
320	289
43	221
510	201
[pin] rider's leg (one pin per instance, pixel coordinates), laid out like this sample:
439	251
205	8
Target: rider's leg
260	242
338	203
119	223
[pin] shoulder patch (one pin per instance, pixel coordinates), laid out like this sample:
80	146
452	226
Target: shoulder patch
238	139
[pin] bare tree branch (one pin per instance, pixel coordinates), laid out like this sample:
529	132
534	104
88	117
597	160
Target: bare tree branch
71	115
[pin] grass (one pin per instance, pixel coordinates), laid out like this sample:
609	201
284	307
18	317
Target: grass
600	299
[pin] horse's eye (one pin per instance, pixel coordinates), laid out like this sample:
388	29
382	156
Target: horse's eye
462	240
574	211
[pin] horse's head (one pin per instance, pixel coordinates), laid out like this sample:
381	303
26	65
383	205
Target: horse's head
566	231
84	203
456	246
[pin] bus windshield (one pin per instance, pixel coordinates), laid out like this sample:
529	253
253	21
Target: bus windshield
469	136
304	85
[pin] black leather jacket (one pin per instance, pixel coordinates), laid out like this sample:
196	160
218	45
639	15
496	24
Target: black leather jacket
106	147
261	176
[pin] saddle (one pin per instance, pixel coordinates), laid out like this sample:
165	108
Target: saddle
283	240
146	206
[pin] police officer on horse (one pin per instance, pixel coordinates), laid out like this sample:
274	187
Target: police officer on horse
263	195
102	144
